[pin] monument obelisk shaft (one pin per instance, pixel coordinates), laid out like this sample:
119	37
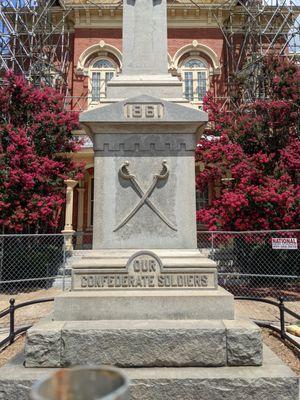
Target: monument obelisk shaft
145	37
145	54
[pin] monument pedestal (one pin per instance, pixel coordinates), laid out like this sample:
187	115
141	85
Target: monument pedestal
151	304
157	312
144	174
159	284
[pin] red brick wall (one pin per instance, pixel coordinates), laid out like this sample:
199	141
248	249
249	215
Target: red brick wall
211	37
84	38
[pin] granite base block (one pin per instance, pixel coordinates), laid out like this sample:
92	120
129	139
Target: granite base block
44	344
143	343
244	343
271	381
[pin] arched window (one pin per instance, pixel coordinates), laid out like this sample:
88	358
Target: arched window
101	71
195	76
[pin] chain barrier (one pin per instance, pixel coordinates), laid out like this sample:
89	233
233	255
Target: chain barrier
13	332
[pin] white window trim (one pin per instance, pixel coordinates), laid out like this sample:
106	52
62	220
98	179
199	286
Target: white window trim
102	71
195	46
183	69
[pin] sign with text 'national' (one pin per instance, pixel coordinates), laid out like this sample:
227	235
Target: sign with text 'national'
284	243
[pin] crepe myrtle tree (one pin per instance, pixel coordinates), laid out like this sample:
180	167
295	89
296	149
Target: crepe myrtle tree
251	150
35	146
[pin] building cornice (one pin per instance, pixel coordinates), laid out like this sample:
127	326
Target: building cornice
177	18
183	13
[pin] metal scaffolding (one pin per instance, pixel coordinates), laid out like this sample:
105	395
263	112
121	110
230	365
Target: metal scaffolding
253	29
35	36
35	40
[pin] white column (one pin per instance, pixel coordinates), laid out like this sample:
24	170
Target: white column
69	212
80	191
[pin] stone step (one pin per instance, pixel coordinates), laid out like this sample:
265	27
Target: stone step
148	343
126	253
271	381
120	262
143	304
171	258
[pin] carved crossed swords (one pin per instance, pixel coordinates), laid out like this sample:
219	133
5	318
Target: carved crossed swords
125	174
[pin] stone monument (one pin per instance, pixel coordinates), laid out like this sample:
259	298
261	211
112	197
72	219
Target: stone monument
145	298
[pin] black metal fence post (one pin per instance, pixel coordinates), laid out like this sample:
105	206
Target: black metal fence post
11	321
282	322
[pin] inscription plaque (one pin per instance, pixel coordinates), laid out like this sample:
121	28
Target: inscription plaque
144	270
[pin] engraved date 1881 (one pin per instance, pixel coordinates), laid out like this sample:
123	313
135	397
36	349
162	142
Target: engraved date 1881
143	111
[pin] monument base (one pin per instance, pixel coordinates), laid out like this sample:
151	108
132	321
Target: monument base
140	343
271	381
143	305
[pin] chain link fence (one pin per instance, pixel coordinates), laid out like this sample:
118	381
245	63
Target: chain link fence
256	263
31	262
262	264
